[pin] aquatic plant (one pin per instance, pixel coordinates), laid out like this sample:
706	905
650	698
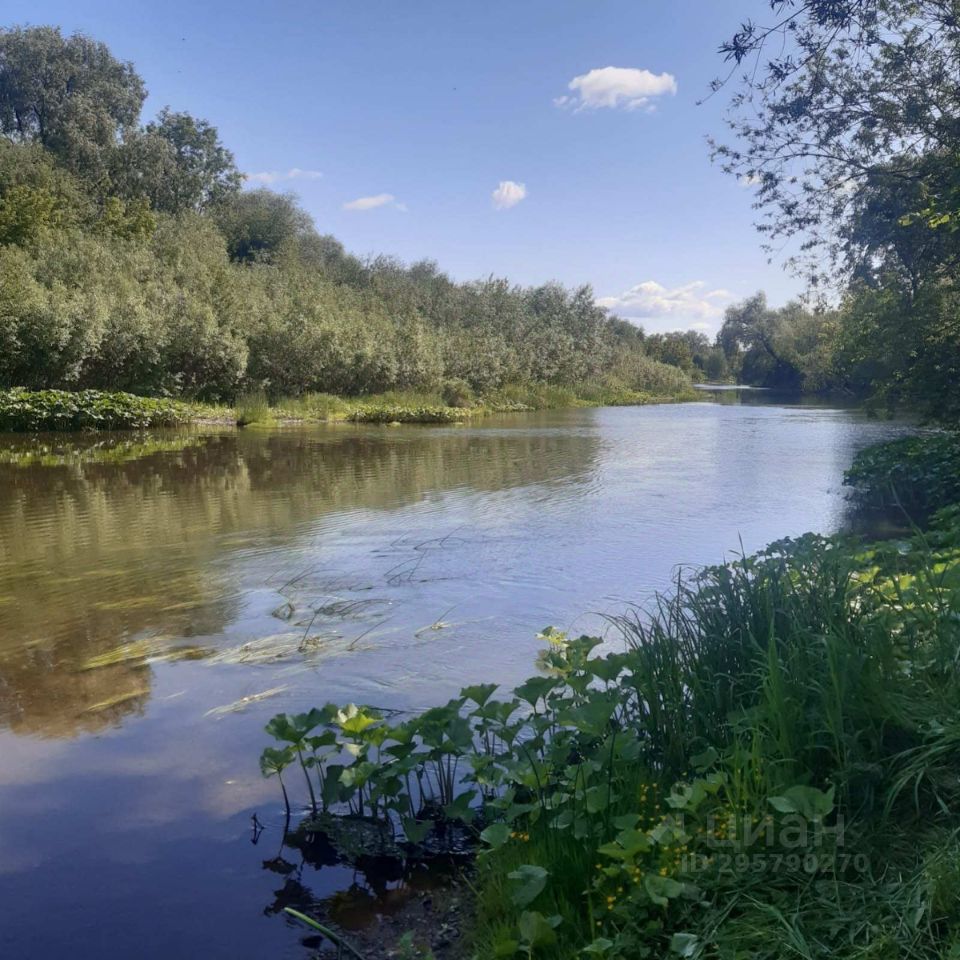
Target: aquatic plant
39	410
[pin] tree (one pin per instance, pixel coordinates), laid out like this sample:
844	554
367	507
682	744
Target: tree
853	87
786	348
177	163
887	240
36	195
68	94
260	225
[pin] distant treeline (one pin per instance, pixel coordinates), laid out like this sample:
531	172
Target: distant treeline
131	259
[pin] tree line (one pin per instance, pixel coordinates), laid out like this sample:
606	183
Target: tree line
131	258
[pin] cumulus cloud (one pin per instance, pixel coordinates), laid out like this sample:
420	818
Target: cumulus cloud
508	194
371	203
626	88
268	177
691	307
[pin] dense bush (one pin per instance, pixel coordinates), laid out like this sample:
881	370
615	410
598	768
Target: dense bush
166	311
914	476
131	260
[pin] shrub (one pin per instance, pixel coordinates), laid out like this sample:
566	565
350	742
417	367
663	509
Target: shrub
915	476
456	392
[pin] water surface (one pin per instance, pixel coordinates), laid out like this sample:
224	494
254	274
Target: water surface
149	583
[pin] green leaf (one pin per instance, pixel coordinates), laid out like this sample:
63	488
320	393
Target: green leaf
461	808
479	693
685	944
597	799
415	831
274	760
496	835
809	802
661	889
536	930
530	880
354	720
701	761
535	688
598	948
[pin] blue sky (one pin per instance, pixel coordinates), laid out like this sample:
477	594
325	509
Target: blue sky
422	109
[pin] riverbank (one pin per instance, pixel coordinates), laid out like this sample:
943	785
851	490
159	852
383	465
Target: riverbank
55	410
767	768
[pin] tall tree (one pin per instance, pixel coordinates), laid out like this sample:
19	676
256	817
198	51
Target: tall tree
69	94
178	163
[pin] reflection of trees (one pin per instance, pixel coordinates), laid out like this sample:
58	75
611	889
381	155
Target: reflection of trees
105	544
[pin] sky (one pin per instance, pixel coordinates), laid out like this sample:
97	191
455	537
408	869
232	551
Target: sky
533	139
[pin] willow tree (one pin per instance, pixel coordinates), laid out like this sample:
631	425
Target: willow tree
68	94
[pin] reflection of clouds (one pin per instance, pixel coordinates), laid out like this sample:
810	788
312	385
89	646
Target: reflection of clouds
31	761
169	774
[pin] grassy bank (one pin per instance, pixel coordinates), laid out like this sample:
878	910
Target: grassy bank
50	410
768	768
453	406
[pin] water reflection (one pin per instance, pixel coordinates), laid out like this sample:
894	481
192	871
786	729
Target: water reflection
112	552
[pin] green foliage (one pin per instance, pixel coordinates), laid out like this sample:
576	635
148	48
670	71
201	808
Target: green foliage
252	408
457	393
916	476
260	225
68	94
901	347
790	348
393	413
176	164
860	164
22	410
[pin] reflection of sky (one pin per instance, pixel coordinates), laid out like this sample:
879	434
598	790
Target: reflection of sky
448	587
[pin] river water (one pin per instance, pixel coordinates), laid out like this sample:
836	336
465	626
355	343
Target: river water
162	596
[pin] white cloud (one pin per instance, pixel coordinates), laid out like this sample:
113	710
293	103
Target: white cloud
268	177
617	87
690	307
378	200
508	194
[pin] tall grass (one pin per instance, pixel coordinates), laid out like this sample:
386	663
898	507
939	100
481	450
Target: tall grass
252	408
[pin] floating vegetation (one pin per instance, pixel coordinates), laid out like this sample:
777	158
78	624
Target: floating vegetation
288	646
120	698
154	650
244	702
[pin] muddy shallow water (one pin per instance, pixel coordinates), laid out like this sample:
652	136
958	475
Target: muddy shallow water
162	596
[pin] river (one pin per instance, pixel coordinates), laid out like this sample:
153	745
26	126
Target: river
162	596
